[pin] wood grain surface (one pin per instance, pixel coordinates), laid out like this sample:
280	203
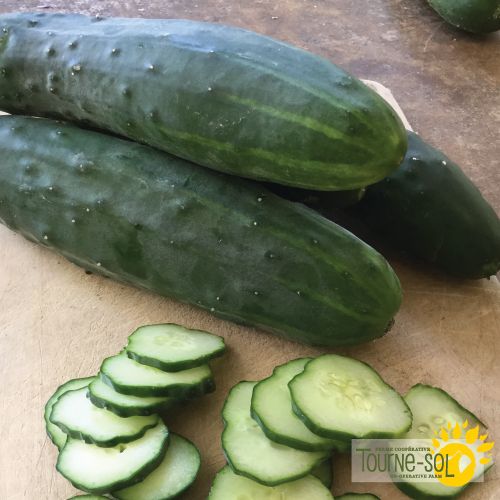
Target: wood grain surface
57	322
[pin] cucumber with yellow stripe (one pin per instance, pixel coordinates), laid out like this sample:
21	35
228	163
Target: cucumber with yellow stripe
224	244
220	96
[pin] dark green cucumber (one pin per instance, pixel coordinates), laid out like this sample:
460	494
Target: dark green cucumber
429	208
219	96
56	435
476	16
89	497
219	242
319	200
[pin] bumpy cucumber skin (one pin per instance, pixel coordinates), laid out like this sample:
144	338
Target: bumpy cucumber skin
219	96
222	243
429	208
476	16
149	467
175	366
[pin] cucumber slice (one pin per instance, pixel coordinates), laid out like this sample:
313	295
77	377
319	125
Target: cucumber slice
272	409
324	472
432	409
130	377
357	496
75	414
250	453
100	470
174	475
229	486
104	396
56	435
172	347
342	398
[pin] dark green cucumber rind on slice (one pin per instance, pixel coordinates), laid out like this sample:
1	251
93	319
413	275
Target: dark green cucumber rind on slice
250	453
357	496
433	408
173	476
318	200
372	409
476	16
104	396
56	435
77	416
271	408
218	242
324	472
227	486
216	95
172	347
127	376
81	477
429	208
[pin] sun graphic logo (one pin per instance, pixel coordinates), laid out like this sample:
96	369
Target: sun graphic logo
460	454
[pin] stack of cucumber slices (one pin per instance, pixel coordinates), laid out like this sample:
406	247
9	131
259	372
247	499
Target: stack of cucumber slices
279	433
107	428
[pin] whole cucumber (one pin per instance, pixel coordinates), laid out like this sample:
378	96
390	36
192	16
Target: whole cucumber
476	16
431	209
222	97
225	244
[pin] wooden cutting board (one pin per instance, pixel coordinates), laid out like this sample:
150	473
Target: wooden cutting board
57	323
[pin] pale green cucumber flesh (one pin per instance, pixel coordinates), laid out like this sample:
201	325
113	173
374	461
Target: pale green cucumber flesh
432	409
254	259
228	486
343	398
130	377
250	453
57	436
101	470
175	474
78	417
124	405
173	347
217	95
272	409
